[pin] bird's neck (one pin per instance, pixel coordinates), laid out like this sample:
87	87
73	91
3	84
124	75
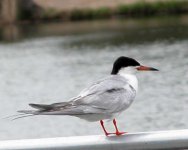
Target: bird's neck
131	79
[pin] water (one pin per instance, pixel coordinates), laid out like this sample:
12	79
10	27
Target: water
49	63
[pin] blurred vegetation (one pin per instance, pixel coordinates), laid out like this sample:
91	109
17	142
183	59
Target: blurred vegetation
103	12
139	9
156	8
50	14
26	11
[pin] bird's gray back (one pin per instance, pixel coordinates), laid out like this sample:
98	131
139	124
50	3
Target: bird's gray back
101	100
110	95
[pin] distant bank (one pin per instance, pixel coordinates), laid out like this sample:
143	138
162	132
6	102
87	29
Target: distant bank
50	10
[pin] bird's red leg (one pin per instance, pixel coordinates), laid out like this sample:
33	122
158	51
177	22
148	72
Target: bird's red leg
117	131
102	124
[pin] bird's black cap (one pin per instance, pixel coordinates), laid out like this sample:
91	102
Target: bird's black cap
123	62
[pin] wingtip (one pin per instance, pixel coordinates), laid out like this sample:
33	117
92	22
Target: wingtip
40	106
31	104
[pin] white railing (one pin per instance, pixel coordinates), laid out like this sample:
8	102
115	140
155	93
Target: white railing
177	139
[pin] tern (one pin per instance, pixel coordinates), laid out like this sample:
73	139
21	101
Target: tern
102	100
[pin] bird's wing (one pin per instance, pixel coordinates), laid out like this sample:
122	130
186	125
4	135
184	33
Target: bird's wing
112	94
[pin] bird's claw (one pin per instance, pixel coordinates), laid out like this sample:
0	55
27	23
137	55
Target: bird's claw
107	134
116	133
120	133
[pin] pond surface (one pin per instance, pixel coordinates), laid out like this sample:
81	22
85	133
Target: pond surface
47	63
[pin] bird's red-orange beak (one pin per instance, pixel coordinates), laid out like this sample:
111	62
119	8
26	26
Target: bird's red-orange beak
145	68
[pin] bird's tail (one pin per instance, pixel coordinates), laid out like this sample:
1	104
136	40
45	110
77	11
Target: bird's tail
63	108
33	112
22	114
40	109
28	113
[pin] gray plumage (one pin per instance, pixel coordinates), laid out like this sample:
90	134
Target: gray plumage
101	100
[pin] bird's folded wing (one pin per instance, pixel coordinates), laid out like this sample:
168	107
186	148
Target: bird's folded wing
112	94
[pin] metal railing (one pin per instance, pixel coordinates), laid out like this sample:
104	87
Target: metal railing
177	139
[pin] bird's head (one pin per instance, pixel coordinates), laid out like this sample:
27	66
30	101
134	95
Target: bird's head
129	65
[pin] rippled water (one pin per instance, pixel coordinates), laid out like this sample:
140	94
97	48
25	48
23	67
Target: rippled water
53	68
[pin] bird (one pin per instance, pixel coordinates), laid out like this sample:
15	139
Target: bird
103	100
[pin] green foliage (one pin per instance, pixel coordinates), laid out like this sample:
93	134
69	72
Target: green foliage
78	14
103	12
155	8
50	13
141	8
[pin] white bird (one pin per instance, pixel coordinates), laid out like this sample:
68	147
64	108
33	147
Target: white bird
104	99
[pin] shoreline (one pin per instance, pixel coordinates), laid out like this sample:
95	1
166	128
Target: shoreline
138	9
131	26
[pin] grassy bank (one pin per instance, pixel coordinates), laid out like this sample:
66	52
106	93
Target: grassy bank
139	9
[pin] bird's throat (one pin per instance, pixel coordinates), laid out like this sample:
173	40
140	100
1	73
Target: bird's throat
131	79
